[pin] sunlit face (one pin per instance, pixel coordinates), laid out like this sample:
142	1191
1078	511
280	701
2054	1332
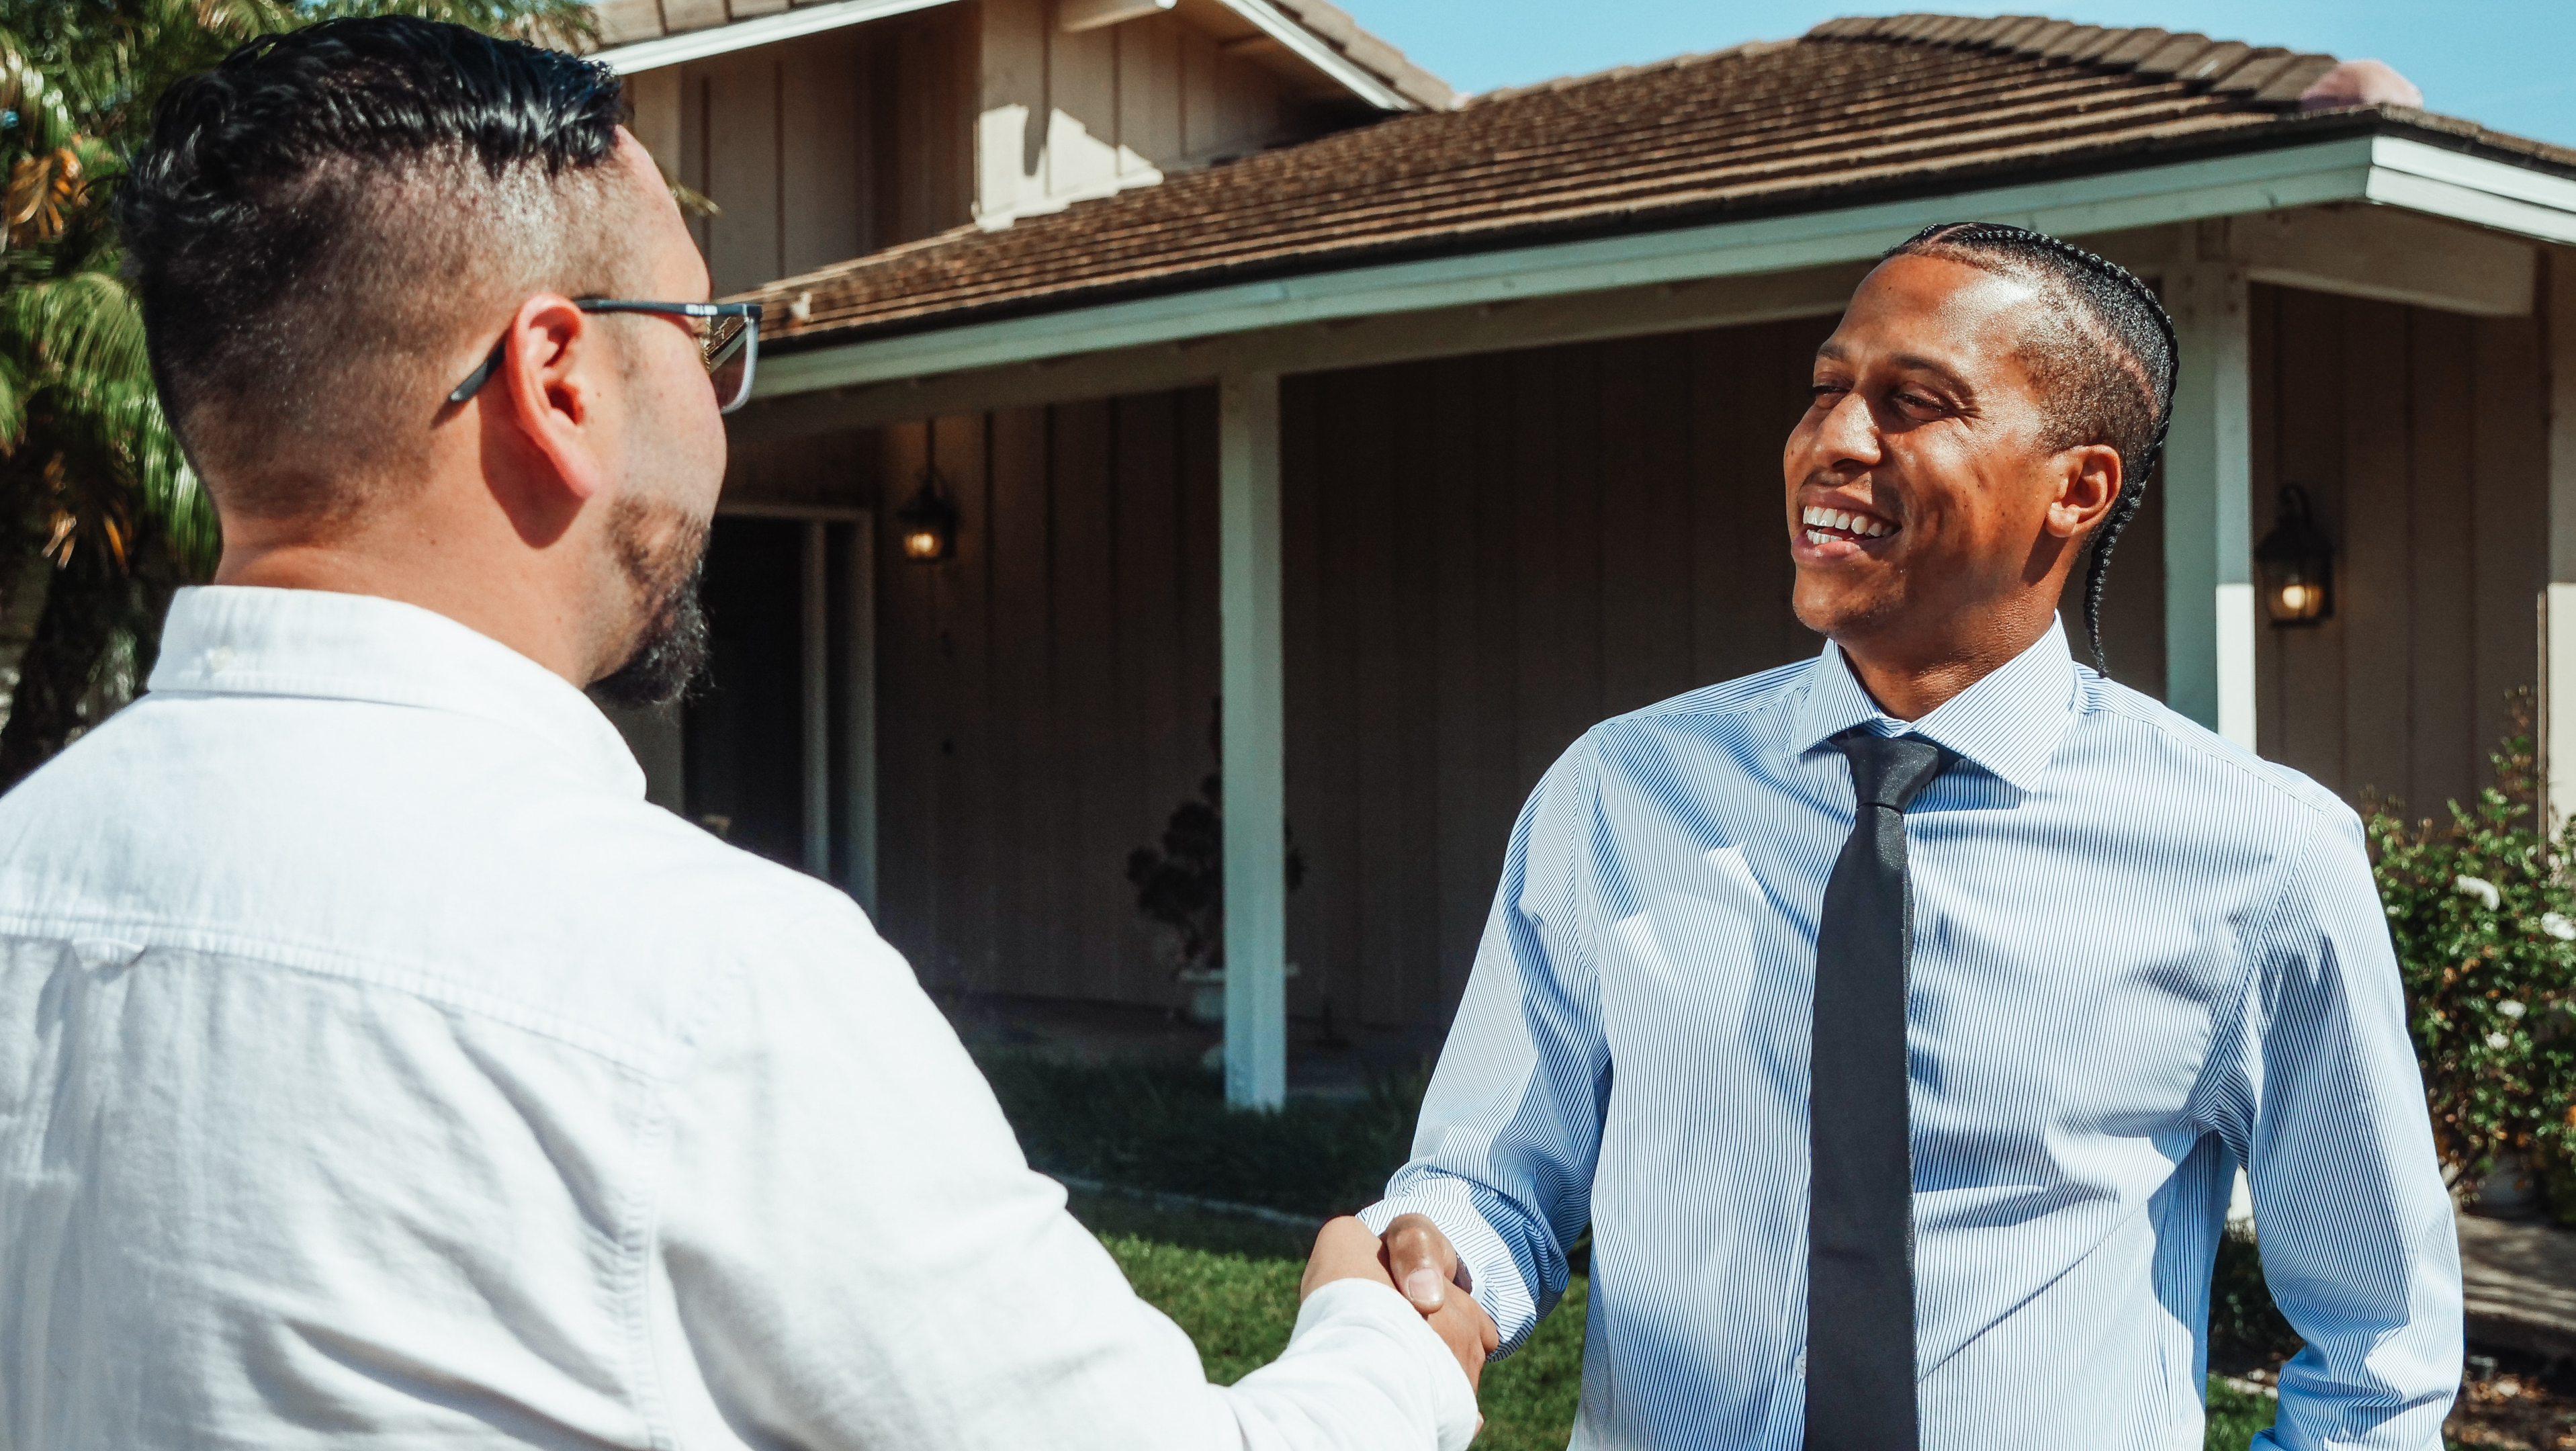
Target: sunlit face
1918	484
671	457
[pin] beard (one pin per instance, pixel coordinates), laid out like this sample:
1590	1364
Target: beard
663	554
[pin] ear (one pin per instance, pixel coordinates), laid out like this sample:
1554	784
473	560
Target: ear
549	366
2088	484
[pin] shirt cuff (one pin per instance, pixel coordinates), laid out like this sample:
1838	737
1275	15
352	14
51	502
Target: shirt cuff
1455	1419
1494	1277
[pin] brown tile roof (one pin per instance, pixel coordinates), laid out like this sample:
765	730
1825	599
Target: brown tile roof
625	22
1855	107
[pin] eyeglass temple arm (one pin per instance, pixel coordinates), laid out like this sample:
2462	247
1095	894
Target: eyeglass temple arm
473	384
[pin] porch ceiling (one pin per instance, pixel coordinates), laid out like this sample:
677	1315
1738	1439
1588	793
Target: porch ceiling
1854	112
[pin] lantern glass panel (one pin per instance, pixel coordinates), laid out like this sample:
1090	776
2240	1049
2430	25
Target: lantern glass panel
2297	564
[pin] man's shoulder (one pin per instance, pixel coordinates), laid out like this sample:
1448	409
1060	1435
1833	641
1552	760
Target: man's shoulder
2151	735
403	851
1742	698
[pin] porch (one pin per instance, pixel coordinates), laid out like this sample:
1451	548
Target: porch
1416	523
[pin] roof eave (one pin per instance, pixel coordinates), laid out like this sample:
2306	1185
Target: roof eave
2312	160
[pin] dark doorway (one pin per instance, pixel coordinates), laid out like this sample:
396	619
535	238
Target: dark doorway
744	732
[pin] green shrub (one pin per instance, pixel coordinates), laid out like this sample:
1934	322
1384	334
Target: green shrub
2244	1324
2483	914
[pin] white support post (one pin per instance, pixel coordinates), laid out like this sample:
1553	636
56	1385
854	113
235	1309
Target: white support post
2208	483
859	729
2557	724
818	698
1255	731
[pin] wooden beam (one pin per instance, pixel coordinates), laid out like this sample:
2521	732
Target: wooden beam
1316	347
1254	755
1075	16
2389	255
2208	483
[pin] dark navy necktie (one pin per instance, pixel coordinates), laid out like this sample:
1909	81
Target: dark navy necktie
1860	1198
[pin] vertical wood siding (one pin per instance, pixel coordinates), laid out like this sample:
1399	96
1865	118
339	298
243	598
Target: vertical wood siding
1085	114
2421	437
829	148
1485	556
1046	695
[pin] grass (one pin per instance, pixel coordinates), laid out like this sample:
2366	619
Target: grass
1232	1282
1233	1286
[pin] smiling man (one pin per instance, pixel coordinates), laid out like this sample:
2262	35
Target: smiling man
1898	1020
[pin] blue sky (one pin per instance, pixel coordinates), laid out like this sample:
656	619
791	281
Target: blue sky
2508	64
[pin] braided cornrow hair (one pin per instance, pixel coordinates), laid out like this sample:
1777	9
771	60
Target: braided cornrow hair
2131	319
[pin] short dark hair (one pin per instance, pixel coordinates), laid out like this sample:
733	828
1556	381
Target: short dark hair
2102	352
320	217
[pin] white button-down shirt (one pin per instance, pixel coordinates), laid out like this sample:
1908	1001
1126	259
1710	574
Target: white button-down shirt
377	1067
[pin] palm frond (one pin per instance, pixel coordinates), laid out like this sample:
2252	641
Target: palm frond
85	326
44	114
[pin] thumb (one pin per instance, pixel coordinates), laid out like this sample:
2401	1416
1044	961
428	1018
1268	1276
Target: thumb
1420	1261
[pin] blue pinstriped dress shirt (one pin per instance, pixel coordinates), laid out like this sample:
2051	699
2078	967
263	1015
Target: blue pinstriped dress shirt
2141	957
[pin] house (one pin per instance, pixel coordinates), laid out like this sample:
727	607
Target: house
1425	443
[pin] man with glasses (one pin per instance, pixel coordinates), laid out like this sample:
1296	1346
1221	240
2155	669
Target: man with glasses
375	1066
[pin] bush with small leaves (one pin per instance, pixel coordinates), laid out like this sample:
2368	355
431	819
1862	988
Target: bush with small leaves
2483	913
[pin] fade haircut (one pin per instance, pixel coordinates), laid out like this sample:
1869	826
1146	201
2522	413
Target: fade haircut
330	216
2101	349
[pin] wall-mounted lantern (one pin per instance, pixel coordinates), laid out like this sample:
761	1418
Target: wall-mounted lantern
928	524
2297	562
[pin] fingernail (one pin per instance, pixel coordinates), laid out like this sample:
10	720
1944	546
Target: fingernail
1423	1286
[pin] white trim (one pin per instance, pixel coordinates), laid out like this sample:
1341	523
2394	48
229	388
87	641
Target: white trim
669	50
1311	48
1077	16
2208	484
2354	169
2558	700
2151	196
1254	740
2237	679
2477	189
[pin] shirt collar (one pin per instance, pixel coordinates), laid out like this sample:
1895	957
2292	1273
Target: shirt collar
2009	722
232	640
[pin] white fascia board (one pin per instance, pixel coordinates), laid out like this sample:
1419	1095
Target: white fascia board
1312	49
647	55
2150	196
2498	194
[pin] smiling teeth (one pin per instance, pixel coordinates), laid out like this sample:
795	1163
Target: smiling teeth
1858	525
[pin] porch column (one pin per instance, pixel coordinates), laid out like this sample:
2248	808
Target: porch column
2208	483
1255	735
2557	724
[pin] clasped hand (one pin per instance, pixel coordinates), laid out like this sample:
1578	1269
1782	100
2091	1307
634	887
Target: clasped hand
1416	1258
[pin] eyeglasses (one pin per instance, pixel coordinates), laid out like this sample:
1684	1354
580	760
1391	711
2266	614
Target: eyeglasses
728	336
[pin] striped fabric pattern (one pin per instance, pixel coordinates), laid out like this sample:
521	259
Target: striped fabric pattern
2141	957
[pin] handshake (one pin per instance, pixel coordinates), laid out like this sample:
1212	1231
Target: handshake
1416	1258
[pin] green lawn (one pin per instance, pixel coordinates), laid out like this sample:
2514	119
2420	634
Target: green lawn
1232	1284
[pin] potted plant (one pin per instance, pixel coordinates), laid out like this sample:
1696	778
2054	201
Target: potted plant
1180	885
